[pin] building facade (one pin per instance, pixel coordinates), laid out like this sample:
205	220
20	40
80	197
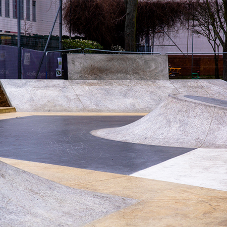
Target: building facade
37	16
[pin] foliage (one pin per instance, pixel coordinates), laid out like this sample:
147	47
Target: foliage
99	20
79	43
104	20
156	16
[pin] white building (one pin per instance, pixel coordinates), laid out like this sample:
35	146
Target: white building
182	41
37	16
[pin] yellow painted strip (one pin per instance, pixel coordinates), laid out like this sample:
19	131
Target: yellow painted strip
7	110
25	114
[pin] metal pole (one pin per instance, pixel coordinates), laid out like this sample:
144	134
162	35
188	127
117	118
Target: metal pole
60	25
19	37
40	64
70	20
192	52
193	25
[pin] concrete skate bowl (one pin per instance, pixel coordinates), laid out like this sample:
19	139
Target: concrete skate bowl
180	121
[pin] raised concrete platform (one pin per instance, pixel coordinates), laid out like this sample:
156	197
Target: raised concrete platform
113	96
117	67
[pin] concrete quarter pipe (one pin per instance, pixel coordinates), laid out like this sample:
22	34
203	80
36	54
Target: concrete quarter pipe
180	121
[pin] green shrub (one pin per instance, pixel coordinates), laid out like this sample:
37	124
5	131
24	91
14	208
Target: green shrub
79	43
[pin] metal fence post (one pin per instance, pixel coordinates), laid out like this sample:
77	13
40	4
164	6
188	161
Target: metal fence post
19	37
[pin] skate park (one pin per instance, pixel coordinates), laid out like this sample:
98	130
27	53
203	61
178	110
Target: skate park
144	151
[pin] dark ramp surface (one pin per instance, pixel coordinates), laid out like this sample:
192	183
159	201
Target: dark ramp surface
66	140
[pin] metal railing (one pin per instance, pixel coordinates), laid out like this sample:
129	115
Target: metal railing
120	52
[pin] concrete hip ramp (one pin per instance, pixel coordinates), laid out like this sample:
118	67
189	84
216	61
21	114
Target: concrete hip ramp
180	121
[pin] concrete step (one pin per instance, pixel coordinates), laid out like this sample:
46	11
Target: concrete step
7	109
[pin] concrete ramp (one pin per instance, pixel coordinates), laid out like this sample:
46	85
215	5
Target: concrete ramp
180	121
111	96
29	200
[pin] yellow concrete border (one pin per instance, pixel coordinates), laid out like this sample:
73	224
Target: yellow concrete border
26	114
7	109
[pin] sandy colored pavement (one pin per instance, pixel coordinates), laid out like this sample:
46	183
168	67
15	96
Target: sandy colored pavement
160	203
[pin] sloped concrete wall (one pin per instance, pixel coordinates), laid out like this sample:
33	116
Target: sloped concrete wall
117	67
126	96
180	121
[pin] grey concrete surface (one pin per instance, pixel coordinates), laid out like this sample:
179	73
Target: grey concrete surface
181	121
117	67
29	200
137	96
66	141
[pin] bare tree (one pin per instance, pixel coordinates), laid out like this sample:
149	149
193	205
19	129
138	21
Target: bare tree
97	20
119	22
130	25
210	19
27	27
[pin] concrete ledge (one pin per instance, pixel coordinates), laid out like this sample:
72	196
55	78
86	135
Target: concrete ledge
7	109
117	67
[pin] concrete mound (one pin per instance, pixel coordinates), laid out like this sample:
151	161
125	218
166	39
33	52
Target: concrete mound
29	200
180	121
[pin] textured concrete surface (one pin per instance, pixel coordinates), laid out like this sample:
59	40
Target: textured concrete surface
201	167
28	200
160	203
125	96
181	121
186	190
117	67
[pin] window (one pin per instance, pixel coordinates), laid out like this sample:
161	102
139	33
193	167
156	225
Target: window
28	10
7	8
21	9
14	8
0	8
34	11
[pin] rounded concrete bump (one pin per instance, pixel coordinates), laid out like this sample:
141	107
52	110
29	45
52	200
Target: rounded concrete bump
30	200
180	121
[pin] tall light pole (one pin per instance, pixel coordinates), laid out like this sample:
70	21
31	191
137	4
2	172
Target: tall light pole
19	37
